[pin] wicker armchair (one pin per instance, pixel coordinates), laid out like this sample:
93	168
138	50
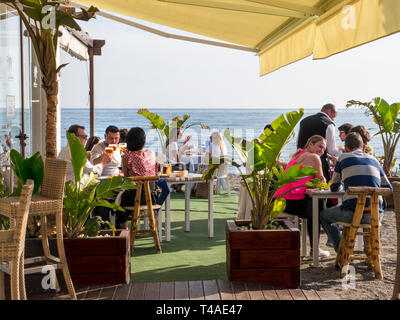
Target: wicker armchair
12	245
49	201
396	197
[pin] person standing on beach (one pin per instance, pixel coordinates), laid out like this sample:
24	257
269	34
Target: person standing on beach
321	124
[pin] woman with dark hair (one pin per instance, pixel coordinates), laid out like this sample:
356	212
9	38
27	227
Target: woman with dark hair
366	137
122	135
92	141
138	161
344	130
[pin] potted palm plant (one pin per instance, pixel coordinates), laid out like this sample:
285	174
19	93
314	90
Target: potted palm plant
94	256
163	129
265	249
387	118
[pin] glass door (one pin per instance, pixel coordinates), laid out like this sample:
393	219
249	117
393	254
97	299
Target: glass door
15	119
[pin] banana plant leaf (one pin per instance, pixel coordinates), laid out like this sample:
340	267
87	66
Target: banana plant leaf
278	207
156	121
78	155
294	173
274	141
388	113
29	168
260	158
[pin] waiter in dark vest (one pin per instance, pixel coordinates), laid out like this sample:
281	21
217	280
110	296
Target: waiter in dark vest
322	124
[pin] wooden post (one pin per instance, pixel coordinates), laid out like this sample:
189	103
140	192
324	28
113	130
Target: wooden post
95	50
91	91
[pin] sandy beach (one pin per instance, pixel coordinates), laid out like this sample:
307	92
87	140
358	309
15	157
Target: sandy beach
366	287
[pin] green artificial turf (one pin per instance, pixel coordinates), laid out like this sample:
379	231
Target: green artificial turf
189	255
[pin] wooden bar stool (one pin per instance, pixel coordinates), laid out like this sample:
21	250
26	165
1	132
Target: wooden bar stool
346	251
49	201
144	211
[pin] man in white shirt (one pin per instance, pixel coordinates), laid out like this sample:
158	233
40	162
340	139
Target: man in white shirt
111	136
65	154
321	124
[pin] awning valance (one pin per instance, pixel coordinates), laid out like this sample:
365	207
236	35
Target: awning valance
70	44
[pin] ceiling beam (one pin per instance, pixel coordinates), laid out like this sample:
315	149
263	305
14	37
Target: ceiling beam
241	8
290	6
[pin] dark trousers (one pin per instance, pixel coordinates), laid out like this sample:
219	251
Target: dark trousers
104	214
128	199
303	209
164	191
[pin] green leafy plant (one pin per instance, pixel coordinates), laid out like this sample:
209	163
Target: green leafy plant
264	178
387	117
163	129
28	168
43	20
86	193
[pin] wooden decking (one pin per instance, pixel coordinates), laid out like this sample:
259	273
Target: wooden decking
187	290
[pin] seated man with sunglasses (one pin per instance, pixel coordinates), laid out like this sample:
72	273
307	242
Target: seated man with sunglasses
79	132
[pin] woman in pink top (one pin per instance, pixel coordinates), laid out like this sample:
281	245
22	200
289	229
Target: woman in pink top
138	161
298	203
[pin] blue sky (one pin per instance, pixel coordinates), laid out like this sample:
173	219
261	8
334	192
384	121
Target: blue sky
141	70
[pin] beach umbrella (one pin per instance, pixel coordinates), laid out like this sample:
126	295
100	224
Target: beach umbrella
280	31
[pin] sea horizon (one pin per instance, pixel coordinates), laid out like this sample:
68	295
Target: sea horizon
207	107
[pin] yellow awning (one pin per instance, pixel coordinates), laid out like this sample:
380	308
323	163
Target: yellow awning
358	23
281	31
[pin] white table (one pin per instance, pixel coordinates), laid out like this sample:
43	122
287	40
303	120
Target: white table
315	195
188	181
192	161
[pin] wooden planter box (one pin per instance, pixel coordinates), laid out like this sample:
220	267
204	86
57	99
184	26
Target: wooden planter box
264	256
92	261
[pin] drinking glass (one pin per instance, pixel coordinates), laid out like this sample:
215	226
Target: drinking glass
109	150
113	146
122	146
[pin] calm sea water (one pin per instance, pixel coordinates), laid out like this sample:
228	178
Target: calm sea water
247	123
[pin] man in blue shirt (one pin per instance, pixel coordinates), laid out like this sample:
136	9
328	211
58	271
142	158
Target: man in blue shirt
354	168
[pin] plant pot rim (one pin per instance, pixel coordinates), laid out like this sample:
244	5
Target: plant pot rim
286	223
